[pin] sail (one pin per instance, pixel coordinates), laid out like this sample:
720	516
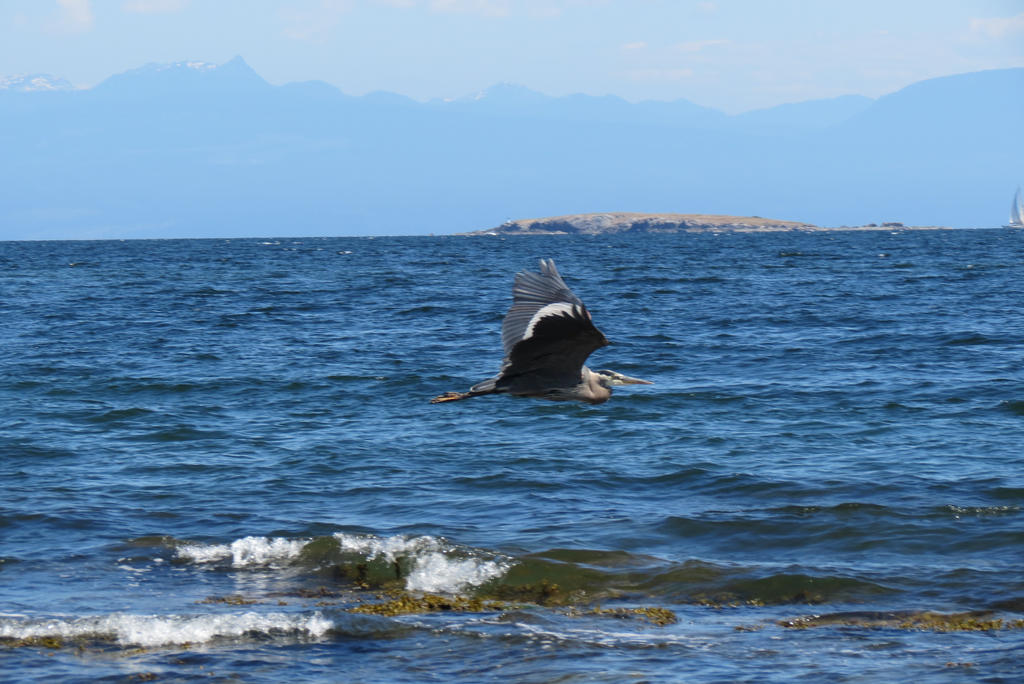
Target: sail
1017	211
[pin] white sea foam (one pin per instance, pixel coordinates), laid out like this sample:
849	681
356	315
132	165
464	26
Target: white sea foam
389	549
434	564
438	573
162	630
245	552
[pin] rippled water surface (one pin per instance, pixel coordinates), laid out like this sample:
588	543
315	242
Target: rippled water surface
218	460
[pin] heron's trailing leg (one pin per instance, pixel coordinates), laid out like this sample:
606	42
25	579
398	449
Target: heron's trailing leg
456	396
451	396
477	390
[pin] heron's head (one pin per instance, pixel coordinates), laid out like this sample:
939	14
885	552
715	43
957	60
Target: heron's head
610	378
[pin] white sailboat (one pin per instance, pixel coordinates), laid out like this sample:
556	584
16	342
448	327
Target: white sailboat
1016	212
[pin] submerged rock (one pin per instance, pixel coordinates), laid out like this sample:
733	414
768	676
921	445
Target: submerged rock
926	620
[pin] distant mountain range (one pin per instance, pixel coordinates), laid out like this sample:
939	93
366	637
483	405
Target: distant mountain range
192	148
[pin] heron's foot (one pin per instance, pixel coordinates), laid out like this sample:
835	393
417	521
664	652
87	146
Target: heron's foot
449	396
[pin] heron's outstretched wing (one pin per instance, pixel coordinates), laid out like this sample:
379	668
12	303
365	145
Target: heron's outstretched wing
531	293
548	333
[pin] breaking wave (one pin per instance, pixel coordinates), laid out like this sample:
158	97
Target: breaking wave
245	552
150	631
429	564
434	564
425	563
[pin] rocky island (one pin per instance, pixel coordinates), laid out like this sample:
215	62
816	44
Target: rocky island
632	222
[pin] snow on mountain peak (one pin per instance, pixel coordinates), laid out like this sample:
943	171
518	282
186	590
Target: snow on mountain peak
28	83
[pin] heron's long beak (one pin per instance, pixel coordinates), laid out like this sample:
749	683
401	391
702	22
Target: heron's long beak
626	380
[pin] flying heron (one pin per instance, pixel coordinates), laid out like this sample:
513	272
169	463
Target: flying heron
547	335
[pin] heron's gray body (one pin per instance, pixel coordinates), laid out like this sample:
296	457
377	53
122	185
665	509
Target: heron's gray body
547	335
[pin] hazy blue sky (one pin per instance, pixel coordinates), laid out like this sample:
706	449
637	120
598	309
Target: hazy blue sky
730	54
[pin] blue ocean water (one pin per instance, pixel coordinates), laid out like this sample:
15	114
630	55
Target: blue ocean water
212	451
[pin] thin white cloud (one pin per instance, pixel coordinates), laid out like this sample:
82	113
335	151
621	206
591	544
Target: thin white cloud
313	22
74	16
546	12
540	9
698	45
638	45
153	6
487	8
658	75
1000	27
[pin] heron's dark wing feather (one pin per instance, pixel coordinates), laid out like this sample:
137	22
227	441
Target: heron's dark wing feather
554	348
531	293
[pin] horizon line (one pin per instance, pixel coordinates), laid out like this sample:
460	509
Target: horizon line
477	92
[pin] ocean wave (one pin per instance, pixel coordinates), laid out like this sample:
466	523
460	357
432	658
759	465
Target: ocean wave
435	565
150	631
245	552
424	563
576	576
428	564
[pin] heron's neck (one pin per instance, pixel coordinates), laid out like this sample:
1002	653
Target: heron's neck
595	389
